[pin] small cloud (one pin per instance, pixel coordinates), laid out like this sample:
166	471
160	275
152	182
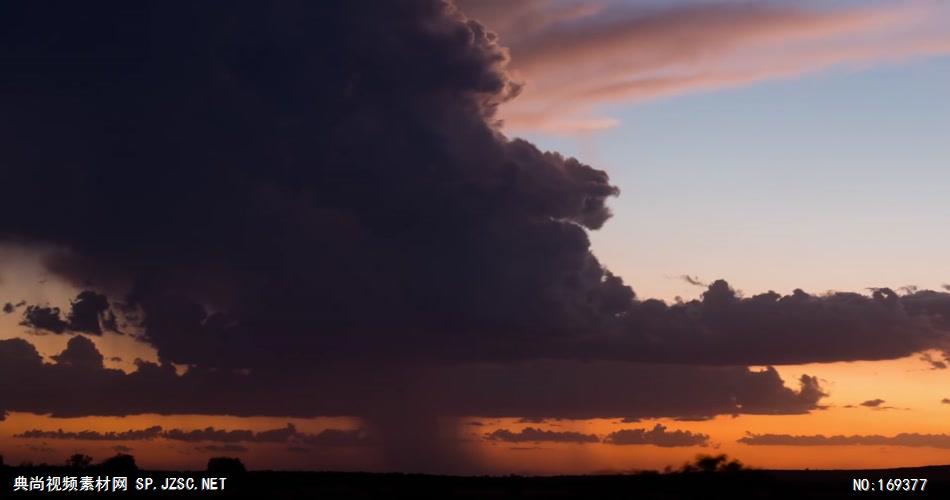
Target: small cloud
694	418
903	439
658	436
945	401
533	434
878	404
693	280
10	307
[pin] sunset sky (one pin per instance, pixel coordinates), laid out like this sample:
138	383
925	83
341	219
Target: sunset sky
544	236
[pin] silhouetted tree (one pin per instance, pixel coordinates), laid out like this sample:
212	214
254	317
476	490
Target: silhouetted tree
79	461
226	466
731	466
120	463
712	463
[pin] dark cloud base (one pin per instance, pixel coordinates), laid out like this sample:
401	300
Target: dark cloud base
77	384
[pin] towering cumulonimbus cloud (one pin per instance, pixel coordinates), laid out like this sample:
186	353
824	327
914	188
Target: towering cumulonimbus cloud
326	176
320	193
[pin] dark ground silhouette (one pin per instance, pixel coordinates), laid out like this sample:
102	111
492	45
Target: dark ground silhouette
709	477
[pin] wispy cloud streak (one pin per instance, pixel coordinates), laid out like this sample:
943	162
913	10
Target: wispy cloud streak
585	55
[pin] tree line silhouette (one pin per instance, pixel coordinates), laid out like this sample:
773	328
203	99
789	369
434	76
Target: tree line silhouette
124	463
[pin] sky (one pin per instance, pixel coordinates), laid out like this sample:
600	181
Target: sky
578	237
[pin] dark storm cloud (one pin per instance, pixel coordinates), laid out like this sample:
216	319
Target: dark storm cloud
535	435
724	328
78	384
558	389
721	328
903	439
277	164
657	436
